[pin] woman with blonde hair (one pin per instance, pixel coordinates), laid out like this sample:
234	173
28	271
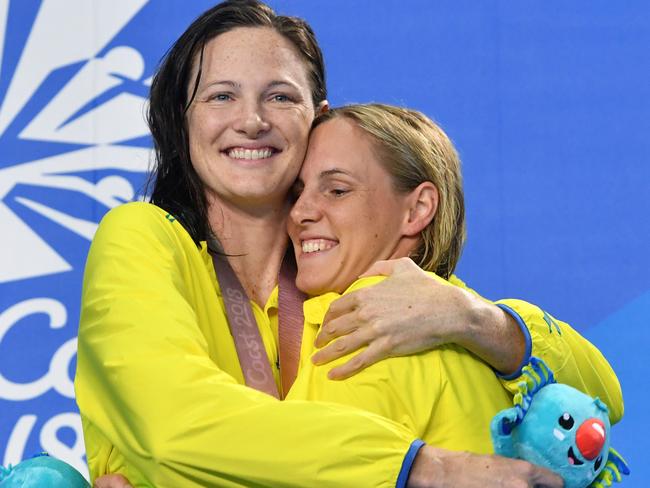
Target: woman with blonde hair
378	183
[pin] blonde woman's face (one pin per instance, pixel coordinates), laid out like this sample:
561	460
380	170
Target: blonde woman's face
347	214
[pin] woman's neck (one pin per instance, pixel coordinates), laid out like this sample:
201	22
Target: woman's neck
255	243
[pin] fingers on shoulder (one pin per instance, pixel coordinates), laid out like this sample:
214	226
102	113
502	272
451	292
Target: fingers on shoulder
111	481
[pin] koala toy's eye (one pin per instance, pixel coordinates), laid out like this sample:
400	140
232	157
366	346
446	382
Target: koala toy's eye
566	421
598	462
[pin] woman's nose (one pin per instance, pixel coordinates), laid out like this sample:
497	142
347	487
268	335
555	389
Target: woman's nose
251	121
304	210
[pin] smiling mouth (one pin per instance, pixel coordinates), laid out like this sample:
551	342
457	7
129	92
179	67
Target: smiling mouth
251	154
573	460
317	245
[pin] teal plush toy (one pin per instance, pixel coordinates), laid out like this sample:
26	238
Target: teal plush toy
41	471
560	428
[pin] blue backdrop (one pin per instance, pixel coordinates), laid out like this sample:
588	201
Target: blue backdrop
547	102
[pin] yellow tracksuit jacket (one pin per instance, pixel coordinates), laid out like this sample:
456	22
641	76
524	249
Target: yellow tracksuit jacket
446	396
161	392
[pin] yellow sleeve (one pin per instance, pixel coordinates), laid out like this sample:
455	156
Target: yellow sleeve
573	359
146	385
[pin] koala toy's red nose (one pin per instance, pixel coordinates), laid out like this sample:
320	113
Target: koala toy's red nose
590	438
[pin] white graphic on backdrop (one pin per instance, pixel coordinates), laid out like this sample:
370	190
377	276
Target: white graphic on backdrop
4	11
26	254
87	28
55	378
49	440
90	118
70	116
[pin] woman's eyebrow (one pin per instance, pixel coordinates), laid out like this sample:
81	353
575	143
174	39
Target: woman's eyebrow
333	172
234	84
229	83
275	83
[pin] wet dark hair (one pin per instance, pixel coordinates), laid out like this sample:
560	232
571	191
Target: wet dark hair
176	187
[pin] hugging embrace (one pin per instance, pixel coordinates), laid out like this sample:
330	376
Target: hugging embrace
248	156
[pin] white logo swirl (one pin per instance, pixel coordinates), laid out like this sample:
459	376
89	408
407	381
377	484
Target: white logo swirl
90	116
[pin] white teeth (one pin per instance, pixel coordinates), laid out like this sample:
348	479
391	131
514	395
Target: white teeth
240	153
315	245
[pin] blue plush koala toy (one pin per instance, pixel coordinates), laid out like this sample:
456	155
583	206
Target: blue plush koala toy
560	428
41	471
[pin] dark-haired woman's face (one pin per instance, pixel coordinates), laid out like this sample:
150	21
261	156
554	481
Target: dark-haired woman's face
249	122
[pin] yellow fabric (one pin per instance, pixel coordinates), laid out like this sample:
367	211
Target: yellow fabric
572	358
446	396
160	389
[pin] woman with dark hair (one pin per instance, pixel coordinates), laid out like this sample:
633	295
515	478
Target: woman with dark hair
162	363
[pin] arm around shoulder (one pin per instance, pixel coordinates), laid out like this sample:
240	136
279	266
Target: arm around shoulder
146	381
573	359
508	332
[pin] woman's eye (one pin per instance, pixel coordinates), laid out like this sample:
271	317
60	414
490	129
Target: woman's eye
281	97
337	192
221	97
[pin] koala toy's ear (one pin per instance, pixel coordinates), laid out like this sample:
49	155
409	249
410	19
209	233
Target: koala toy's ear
501	429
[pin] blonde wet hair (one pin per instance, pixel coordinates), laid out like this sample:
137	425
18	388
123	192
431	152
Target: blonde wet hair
413	149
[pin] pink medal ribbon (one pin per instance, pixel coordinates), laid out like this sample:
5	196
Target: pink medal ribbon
253	359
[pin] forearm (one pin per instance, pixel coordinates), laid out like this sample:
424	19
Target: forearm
413	311
438	468
573	359
505	335
150	385
507	340
495	336
276	445
180	421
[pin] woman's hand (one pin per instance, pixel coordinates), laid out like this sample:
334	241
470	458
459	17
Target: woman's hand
410	312
111	481
438	468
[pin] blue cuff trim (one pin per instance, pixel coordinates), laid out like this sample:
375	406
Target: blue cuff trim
529	342
405	471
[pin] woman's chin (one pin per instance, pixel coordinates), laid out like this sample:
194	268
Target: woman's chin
314	287
310	287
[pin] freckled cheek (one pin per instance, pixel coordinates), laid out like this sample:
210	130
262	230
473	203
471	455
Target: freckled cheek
199	140
300	124
300	140
367	234
291	230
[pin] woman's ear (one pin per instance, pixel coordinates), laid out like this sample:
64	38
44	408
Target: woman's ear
323	107
423	204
